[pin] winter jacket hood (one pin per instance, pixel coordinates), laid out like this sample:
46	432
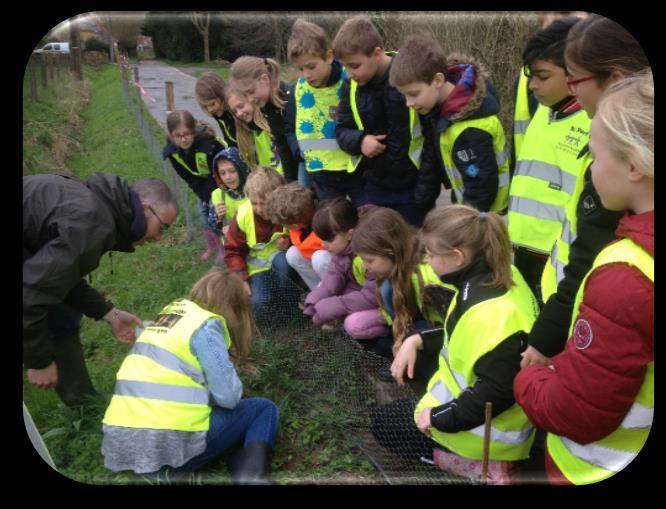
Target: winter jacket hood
231	154
473	95
639	228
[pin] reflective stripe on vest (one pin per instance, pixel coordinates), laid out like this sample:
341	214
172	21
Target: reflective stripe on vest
160	384
315	126
227	138
202	169
489	323
521	115
553	271
416	135
261	254
545	178
599	460
493	127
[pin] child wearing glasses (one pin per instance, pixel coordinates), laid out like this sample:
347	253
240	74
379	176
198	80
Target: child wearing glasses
599	52
191	150
548	164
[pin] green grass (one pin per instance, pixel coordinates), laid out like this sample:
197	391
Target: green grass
311	444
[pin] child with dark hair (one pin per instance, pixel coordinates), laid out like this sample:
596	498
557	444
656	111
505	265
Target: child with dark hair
210	91
347	291
548	165
191	148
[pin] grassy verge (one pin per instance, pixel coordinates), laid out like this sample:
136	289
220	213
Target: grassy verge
311	445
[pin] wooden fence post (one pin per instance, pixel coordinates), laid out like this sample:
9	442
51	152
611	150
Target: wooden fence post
169	96
45	78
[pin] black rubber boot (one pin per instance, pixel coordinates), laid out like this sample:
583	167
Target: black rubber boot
74	386
252	464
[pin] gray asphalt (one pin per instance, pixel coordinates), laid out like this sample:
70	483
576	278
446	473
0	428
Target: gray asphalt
153	75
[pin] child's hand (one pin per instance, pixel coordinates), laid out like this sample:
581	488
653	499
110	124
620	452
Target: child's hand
533	357
220	210
405	358
283	243
371	145
423	422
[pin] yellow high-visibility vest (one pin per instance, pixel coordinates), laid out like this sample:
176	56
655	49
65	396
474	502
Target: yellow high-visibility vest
545	178
599	460
261	254
478	331
493	127
315	126
160	384
553	271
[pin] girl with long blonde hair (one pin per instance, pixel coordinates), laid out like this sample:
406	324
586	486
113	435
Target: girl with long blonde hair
259	79
177	401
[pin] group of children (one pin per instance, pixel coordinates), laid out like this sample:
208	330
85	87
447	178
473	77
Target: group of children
322	186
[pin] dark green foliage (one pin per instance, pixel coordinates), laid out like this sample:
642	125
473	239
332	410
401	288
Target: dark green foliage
96	45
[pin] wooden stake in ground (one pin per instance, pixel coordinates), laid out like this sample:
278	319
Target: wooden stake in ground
169	96
486	442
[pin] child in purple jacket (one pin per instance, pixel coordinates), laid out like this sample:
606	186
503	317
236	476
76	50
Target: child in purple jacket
346	292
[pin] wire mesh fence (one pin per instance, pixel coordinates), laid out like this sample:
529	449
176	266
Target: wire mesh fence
343	384
155	145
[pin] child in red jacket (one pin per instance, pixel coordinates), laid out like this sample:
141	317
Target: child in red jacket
596	399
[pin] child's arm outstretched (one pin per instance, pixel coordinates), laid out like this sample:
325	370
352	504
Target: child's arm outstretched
495	372
236	250
221	379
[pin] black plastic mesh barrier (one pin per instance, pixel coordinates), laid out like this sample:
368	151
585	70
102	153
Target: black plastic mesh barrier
351	383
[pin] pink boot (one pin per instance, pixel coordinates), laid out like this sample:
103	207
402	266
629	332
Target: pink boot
211	242
219	259
499	472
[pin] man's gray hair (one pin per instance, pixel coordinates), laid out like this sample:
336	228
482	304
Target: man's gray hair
156	192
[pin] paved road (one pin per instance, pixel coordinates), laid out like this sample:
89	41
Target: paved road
153	75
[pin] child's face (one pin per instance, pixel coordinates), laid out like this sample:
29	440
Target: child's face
587	92
214	107
241	108
446	263
228	174
259	206
339	243
548	82
260	91
610	175
380	266
315	70
422	96
182	137
362	68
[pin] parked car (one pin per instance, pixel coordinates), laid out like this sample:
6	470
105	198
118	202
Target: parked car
54	47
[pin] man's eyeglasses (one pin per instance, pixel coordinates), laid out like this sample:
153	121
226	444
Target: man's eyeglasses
163	226
572	83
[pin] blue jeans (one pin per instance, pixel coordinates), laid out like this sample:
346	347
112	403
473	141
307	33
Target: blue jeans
304	176
278	285
204	211
252	420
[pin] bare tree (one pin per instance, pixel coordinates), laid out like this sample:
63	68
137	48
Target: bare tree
201	21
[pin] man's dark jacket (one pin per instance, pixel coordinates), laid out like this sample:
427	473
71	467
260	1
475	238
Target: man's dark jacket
68	224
